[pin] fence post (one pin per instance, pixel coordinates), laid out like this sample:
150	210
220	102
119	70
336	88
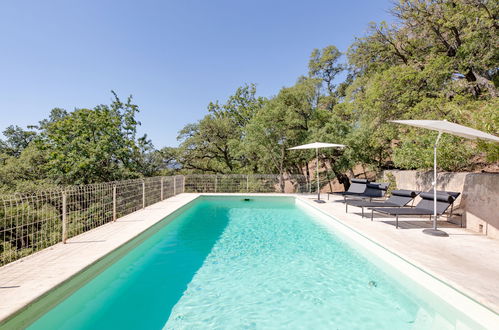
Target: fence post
216	181
183	183
247	182
143	194
114	203
64	218
174	185
161	188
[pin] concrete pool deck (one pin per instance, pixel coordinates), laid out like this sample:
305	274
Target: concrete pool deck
466	260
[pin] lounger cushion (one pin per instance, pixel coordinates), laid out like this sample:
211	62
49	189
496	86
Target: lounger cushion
364	181
374	190
440	197
377	185
405	193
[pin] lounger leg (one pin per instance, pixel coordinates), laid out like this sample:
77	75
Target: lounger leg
362	211
397	221
372	214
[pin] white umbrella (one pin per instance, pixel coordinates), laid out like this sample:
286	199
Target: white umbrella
316	146
443	126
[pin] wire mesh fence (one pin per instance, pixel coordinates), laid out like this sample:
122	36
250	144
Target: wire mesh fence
86	207
240	183
31	222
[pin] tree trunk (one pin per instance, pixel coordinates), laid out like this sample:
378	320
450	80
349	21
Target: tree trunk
341	177
308	175
281	170
327	176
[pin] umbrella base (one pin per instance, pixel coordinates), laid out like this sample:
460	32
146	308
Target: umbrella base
435	232
319	201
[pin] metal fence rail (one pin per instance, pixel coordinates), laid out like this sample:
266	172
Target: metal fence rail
31	222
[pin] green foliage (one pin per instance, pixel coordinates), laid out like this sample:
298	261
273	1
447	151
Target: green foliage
324	65
213	144
438	62
16	140
485	116
416	152
392	182
24	173
94	145
79	147
282	123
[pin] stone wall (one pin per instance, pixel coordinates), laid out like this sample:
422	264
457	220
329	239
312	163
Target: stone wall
478	205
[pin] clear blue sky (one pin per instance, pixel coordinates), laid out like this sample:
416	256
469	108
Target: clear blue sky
173	56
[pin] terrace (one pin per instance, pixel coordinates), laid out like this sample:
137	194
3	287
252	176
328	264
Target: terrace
464	260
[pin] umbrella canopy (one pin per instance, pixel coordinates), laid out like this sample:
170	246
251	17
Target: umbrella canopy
317	146
443	126
448	127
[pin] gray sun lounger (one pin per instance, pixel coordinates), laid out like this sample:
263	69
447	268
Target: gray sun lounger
373	190
424	207
398	198
357	186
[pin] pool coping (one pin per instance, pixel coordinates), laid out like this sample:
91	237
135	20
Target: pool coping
145	219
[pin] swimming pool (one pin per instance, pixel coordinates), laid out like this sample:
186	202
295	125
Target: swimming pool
265	262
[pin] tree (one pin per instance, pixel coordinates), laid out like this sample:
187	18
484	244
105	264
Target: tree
282	123
26	172
16	140
466	31
213	143
94	145
324	65
206	145
438	60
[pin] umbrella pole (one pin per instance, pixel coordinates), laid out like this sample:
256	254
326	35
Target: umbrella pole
317	170
318	200
434	231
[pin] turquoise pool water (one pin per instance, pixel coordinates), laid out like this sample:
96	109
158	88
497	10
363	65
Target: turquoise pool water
226	263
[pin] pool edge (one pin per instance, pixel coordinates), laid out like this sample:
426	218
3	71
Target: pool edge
57	293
